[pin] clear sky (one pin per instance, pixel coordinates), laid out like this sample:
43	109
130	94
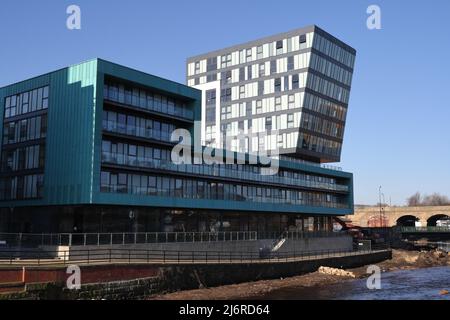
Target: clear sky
398	127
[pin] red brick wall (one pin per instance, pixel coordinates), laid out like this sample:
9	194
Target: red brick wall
89	274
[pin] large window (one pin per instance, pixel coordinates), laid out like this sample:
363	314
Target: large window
23	148
26	102
210	106
25	130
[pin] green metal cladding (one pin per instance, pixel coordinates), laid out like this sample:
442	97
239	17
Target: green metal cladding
73	143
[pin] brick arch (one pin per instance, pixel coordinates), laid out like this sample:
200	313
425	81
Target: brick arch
377	221
407	220
431	221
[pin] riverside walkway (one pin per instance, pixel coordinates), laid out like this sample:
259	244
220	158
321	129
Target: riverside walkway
121	256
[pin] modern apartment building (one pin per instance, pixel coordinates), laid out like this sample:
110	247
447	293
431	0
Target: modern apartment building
287	92
88	149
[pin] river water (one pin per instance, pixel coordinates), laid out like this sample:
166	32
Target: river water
420	284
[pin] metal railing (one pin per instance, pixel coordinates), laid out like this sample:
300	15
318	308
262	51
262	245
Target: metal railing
136	256
216	171
309	163
424	229
123	238
33	240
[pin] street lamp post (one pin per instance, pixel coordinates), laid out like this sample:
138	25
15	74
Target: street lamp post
379	196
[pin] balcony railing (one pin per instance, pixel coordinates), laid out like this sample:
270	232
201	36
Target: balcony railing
309	163
140	132
215	171
204	195
170	109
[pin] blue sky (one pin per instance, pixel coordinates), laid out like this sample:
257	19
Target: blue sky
398	127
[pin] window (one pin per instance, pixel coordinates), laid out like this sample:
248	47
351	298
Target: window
225	95
278	85
248	109
242	74
258	106
277	103
226	77
295	82
303	38
291	101
26	102
260	88
268	123
249	55
259	52
197	67
262	69
241	92
211	97
290	121
290	64
273	67
211	64
226	61
249	73
279	46
211	77
210	115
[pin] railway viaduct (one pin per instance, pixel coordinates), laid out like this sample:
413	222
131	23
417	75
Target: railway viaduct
399	216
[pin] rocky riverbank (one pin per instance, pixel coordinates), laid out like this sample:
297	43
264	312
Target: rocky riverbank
401	259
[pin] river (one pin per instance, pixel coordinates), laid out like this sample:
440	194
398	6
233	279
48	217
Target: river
419	284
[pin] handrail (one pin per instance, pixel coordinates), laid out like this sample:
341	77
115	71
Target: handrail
424	229
218	171
129	256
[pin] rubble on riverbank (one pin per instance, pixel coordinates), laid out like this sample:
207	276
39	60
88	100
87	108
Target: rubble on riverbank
336	272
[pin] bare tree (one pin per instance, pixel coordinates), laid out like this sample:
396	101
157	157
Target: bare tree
435	199
414	200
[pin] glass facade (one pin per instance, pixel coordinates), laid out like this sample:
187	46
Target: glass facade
142	127
146	100
23	145
165	186
141	165
307	70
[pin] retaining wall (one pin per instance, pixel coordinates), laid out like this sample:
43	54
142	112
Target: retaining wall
154	279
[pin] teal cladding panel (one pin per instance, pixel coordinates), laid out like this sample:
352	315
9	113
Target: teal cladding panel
69	143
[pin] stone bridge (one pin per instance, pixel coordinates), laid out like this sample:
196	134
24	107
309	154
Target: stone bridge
399	216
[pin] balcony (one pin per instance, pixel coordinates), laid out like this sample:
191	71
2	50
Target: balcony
215	171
